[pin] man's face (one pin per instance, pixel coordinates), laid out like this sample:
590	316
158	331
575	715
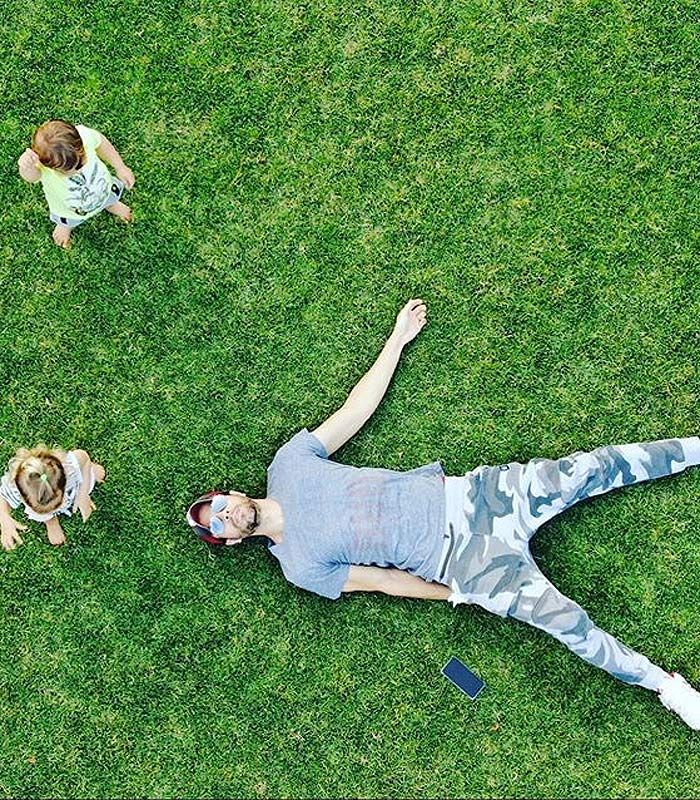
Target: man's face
240	517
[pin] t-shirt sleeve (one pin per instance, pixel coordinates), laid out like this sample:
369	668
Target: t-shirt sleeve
9	492
74	477
302	444
313	443
326	580
91	138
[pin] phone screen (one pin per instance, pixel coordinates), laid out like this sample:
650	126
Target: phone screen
463	678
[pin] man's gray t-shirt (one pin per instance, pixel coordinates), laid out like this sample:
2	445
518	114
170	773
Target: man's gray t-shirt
336	515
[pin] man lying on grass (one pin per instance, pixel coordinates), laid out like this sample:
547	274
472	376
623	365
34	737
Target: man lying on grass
336	528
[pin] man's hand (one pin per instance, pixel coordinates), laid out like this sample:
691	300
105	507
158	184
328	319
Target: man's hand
10	535
367	394
410	321
29	164
126	176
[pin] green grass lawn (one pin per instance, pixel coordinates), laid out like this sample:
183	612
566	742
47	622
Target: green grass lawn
530	169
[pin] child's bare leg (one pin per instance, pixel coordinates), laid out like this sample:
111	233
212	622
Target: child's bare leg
55	532
61	235
99	472
120	210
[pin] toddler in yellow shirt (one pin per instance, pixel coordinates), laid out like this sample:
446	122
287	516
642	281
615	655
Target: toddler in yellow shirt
68	160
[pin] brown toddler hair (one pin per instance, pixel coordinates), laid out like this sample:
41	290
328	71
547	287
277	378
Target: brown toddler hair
59	146
39	475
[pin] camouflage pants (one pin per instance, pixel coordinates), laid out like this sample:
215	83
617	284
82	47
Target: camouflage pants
487	560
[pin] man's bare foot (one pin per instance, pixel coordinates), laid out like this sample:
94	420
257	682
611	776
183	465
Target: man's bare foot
61	235
99	472
120	210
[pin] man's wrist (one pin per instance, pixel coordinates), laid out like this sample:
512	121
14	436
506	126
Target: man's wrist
396	341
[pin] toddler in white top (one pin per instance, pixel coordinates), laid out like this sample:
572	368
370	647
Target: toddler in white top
48	483
68	160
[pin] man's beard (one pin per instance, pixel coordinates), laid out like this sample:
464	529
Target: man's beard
255	521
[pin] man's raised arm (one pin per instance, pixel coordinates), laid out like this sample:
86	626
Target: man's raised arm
367	394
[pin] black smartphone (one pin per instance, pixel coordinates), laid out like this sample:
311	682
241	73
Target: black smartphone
463	678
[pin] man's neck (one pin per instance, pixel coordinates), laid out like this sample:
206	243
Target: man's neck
271	522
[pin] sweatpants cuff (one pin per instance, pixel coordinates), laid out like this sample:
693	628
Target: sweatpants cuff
654	678
691	450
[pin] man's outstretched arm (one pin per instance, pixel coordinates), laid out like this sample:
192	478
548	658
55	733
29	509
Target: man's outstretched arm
367	394
394	581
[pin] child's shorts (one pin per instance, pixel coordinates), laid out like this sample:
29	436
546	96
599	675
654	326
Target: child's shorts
116	190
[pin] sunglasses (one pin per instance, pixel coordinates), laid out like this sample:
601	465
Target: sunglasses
218	504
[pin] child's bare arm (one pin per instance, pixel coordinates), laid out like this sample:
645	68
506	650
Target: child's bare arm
109	153
82	498
55	531
85	463
10	528
28	164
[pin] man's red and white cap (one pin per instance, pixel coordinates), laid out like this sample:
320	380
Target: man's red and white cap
194	519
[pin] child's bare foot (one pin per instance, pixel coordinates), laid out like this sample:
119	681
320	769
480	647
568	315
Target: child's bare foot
99	472
120	210
55	532
61	235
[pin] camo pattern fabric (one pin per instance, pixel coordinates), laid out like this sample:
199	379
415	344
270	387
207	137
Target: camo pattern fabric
488	561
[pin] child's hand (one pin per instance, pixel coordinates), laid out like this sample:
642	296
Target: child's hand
29	164
126	176
10	535
85	505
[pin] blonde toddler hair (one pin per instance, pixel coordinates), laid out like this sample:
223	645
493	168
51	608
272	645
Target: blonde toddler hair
59	146
40	477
